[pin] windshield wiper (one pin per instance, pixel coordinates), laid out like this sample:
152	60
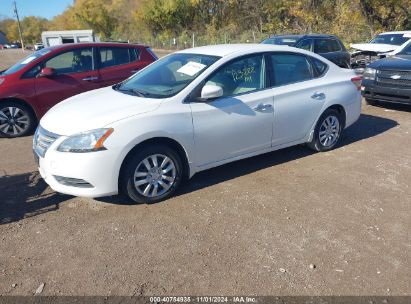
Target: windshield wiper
136	92
140	92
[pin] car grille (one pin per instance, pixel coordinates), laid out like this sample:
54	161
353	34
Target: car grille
42	140
384	77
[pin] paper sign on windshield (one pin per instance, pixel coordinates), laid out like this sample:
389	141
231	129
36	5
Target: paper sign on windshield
28	59
191	68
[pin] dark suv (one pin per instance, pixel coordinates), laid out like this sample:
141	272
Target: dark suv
389	79
328	46
36	83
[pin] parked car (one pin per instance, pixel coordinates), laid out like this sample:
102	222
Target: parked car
389	79
35	84
328	46
380	46
190	111
15	45
38	46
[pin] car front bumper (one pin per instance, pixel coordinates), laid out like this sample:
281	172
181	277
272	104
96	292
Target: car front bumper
372	91
93	174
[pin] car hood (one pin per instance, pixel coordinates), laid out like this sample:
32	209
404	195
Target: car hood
374	47
93	110
399	63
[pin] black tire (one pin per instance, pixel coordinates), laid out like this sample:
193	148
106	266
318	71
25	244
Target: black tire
370	102
18	122
318	144
127	178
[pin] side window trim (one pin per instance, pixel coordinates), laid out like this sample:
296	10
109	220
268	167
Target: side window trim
269	70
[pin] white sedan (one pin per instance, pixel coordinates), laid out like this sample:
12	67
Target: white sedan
191	111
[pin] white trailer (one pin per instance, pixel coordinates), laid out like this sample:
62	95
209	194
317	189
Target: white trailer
51	38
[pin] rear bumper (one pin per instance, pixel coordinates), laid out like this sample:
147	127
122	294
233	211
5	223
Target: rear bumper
376	92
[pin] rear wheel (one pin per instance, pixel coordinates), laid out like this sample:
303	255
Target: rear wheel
152	174
15	119
327	131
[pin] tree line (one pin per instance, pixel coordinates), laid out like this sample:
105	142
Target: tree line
174	23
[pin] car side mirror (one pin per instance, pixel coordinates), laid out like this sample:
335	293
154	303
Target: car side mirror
211	91
47	72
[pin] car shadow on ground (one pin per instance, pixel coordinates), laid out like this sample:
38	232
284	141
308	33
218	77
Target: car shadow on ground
393	106
367	126
26	195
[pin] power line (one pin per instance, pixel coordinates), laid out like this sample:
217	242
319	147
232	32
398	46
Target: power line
18	25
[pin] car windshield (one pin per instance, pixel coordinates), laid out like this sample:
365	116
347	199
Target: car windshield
290	41
394	39
22	63
167	76
406	50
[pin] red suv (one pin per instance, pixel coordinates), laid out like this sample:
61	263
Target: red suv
35	84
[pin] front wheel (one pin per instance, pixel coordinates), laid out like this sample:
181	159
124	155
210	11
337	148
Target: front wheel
15	120
151	174
327	131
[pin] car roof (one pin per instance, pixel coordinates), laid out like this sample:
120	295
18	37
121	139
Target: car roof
224	50
395	32
286	36
306	36
91	44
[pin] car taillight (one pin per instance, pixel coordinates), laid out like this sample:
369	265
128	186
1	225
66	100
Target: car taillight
357	82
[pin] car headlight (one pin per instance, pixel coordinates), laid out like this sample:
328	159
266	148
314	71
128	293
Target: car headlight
89	141
369	74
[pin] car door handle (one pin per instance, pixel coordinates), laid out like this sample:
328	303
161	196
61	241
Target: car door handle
318	96
263	107
134	71
90	78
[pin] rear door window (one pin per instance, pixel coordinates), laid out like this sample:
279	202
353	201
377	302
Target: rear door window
290	68
113	56
326	46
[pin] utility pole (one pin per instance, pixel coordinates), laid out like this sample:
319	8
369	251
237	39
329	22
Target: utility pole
18	25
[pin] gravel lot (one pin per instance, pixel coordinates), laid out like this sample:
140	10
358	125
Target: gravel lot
252	227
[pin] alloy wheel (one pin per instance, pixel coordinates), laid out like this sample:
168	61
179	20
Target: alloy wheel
154	175
329	131
13	121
